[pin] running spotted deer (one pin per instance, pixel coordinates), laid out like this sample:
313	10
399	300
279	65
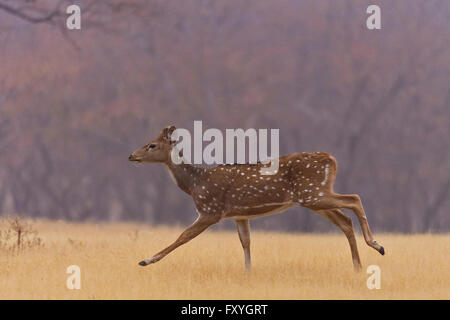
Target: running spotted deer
240	192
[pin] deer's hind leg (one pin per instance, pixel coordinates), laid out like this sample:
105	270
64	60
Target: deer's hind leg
200	225
344	223
351	202
243	228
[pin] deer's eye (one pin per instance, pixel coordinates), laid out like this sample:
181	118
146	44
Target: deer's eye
152	146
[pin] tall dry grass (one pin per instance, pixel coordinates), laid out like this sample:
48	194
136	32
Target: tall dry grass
285	266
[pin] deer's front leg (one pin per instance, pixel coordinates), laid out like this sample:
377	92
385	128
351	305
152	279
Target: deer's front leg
202	222
244	235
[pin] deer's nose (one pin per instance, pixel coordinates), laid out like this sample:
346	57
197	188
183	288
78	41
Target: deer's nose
130	157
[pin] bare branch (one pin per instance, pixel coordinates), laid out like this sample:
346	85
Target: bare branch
23	14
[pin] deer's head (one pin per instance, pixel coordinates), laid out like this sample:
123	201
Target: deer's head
158	150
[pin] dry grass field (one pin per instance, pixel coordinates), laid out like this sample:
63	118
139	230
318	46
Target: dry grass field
285	266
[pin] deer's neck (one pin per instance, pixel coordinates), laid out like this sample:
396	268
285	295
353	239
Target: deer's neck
185	176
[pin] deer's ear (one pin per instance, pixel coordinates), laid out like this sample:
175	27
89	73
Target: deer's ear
166	134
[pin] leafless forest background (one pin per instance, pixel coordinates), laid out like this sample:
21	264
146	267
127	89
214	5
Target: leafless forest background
74	104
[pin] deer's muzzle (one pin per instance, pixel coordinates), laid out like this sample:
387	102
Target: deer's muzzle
133	158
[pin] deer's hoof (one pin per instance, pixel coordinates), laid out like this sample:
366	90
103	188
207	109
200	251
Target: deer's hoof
143	263
381	251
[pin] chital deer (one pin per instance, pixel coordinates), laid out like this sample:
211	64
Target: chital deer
240	192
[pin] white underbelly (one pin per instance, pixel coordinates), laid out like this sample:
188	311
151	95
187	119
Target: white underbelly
257	215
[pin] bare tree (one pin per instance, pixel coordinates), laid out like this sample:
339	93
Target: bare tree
34	11
68	119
